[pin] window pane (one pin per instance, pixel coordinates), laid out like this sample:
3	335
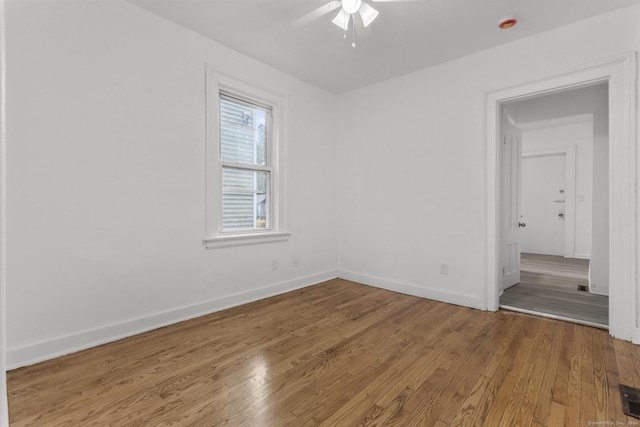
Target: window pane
237	211
243	133
244	199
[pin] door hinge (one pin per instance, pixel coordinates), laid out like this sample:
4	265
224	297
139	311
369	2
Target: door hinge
504	270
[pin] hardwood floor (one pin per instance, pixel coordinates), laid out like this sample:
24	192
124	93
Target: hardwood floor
549	286
337	354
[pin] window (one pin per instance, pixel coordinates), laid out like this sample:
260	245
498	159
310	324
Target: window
244	194
246	166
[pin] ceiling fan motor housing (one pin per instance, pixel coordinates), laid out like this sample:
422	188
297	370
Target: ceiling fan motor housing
351	6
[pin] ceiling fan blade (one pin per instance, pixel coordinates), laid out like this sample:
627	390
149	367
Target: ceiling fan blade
315	14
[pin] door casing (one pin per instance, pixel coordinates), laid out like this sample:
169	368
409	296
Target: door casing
620	74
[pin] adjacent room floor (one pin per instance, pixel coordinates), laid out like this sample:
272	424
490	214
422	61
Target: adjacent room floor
549	286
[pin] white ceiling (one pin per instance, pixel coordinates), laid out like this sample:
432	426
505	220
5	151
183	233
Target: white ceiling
406	36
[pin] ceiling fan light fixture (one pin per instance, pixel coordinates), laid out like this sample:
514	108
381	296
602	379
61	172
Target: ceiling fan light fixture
368	14
342	19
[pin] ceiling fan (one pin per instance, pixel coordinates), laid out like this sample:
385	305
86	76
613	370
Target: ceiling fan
349	10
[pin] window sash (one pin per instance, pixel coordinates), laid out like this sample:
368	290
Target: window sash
246	218
244	212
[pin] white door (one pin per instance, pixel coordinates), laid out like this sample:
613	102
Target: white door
543	204
511	156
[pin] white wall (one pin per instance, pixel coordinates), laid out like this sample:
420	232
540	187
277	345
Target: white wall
106	179
410	154
580	136
599	265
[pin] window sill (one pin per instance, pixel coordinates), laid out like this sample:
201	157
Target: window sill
245	239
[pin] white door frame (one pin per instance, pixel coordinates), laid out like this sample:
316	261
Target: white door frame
4	409
569	188
620	73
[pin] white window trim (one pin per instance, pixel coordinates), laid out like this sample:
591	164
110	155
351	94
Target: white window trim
214	237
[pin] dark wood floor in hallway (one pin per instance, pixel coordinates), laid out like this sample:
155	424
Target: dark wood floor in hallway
337	354
549	285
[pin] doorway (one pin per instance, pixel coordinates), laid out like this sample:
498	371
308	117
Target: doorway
549	287
621	254
554	203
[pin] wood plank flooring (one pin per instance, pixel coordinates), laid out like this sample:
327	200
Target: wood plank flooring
549	285
337	354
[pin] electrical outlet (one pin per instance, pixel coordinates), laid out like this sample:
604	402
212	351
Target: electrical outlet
274	264
295	261
444	268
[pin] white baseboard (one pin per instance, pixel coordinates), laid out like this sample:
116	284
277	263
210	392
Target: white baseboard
418	291
596	291
45	350
635	336
581	256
